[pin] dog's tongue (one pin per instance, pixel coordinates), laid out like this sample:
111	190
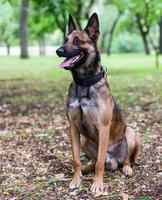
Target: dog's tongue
68	62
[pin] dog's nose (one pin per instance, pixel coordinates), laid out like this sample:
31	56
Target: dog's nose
60	51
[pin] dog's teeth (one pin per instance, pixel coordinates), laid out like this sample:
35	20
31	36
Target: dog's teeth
76	58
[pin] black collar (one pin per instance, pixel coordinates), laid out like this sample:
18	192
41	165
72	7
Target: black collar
89	81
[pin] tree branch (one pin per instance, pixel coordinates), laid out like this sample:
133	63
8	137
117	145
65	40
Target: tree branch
112	32
78	12
91	2
146	14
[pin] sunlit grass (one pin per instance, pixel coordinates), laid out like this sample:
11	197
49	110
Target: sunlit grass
131	77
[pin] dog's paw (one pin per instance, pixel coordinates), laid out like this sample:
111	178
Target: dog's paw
98	188
75	183
127	170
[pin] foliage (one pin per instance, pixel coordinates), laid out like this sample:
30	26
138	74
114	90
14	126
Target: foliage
143	14
40	22
8	25
46	17
127	42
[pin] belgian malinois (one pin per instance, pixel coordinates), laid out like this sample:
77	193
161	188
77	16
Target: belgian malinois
92	111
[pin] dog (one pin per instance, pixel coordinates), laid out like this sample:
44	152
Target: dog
92	111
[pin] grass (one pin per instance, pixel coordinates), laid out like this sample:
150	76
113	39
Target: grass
144	198
46	67
131	77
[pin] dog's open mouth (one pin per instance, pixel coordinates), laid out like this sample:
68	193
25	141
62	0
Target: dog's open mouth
70	62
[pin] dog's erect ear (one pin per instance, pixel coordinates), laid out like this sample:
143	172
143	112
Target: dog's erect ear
92	27
71	25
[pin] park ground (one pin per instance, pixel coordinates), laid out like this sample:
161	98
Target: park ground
35	155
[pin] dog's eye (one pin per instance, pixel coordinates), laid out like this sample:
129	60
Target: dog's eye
76	41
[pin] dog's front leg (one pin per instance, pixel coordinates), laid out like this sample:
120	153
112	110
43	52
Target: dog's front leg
75	143
98	187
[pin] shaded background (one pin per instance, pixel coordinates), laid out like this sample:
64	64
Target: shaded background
35	154
126	25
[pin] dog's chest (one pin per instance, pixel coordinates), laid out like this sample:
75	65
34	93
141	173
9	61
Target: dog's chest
82	106
82	110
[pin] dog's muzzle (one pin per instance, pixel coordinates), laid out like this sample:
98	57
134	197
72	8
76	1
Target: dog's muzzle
74	57
60	51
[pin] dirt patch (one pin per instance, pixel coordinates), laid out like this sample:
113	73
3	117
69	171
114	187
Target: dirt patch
36	162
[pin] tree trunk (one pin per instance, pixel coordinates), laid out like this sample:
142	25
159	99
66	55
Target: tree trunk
145	42
8	49
160	36
112	33
157	59
23	29
103	38
41	44
156	48
144	34
61	26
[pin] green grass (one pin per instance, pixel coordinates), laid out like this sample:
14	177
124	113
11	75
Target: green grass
144	198
132	77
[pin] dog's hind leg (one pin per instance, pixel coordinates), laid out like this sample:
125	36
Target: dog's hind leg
91	151
133	147
90	166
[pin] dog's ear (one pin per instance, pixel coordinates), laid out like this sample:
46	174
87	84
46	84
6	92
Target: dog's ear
71	25
92	27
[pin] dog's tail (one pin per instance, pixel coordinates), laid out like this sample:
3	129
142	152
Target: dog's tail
136	149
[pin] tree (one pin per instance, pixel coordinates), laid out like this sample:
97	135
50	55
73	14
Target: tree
160	35
82	10
144	13
60	9
108	26
24	29
111	33
143	24
8	26
117	8
41	23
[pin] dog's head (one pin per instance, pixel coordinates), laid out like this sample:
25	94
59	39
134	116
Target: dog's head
80	47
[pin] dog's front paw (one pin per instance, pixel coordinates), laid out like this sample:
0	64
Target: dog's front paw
98	188
127	170
75	183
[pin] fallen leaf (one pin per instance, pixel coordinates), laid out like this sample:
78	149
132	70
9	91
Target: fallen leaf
55	179
124	196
